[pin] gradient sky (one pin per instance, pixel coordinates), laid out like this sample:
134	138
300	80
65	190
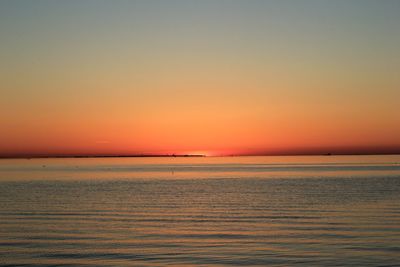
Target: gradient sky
214	77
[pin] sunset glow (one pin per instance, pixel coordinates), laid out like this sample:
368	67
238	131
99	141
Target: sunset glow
199	77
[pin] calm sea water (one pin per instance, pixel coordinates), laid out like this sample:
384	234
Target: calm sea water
238	211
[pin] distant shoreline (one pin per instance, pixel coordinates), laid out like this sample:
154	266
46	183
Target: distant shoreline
187	155
103	156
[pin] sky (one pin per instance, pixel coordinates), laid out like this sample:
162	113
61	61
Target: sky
209	77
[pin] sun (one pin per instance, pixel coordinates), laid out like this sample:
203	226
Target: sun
200	152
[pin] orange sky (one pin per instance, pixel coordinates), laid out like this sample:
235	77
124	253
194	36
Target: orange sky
213	77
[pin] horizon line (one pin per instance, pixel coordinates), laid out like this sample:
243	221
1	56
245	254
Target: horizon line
33	156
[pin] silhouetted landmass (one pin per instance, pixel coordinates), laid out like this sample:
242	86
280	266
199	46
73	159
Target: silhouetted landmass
105	156
392	150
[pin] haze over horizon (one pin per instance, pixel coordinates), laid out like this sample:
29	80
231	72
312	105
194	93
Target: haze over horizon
199	77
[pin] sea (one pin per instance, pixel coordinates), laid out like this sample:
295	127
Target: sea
201	211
